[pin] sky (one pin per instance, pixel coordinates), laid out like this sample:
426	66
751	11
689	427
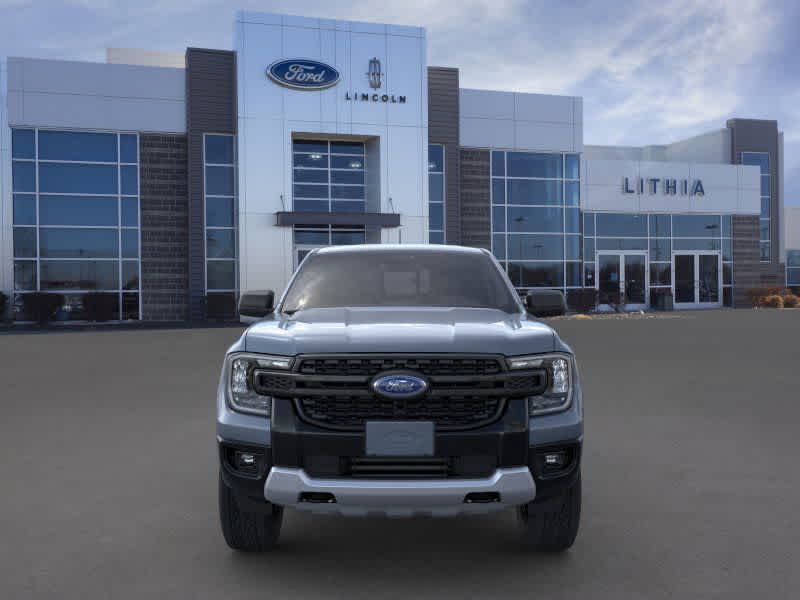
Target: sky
649	72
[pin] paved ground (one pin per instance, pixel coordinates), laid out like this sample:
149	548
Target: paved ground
691	478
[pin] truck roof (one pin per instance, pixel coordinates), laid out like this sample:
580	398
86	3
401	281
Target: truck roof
400	247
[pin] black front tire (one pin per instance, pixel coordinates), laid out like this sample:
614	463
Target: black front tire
248	531
552	526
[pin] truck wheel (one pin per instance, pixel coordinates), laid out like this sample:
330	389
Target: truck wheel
552	525
244	530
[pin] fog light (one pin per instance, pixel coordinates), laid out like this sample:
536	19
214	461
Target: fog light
245	460
556	459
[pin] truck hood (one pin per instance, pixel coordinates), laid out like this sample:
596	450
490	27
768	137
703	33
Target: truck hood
469	330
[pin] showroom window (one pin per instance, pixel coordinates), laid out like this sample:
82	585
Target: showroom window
309	237
76	220
659	235
536	218
761	160
436	193
219	156
793	268
328	176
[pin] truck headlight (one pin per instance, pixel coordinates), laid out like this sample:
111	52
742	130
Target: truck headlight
239	372
560	373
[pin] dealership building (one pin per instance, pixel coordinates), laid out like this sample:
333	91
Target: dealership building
173	181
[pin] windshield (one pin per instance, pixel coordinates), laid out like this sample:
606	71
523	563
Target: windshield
399	278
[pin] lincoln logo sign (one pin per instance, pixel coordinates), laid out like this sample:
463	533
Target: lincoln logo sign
667	186
399	386
302	74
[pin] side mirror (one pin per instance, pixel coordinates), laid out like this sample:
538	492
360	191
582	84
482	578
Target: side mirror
546	303
255	305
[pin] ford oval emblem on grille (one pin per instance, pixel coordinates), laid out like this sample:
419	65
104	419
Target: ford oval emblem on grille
399	386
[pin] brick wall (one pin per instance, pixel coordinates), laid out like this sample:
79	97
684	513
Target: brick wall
476	219
165	227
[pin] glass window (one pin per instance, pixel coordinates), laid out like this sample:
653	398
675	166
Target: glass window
763	229
436	216
340	162
765	208
498	191
727	297
24	209
130	306
311	175
535	219
498	163
23	143
572	193
219	181
573	166
311	205
765	250
435	158
130	243
221	275
219	149
759	159
696	225
436	237
765	191
573	274
588	224
622	225
357	177
219	212
537	274
695	244
56	242
660	249
436	192
499	246
727	226
23	176
347	148
129	176
220	243
572	220
79	275
498	218
130	212
535	247
77	210
588	274
529	191
128	148
342	238
660	226
310	191
588	249
727	249
319	161
727	273
25	242
78	146
312	146
130	275
572	247
25	275
660	274
530	164
347	206
621	243
312	237
793	258
67	178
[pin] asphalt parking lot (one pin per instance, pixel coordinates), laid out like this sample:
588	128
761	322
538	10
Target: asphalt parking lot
691	476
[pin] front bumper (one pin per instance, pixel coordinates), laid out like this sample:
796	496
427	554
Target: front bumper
399	498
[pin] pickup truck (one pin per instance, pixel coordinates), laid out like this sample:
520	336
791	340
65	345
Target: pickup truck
399	380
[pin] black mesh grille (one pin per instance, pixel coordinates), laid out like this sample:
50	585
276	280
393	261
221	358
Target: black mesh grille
427	366
348	412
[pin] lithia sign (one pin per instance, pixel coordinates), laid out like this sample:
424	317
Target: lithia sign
667	186
306	74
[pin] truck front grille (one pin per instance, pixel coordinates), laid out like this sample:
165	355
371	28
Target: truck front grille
465	392
346	412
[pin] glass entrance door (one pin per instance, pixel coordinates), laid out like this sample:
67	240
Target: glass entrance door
697	280
622	280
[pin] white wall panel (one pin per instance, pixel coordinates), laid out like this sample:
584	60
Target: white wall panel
540	135
541	107
486	104
363	47
486	133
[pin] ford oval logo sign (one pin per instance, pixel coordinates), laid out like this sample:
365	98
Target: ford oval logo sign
303	74
399	386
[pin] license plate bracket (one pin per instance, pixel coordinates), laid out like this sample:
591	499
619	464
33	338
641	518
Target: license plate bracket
400	438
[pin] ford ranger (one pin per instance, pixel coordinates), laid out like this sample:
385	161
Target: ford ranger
399	380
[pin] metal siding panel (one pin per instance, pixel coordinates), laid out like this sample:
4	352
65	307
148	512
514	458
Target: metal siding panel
443	128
